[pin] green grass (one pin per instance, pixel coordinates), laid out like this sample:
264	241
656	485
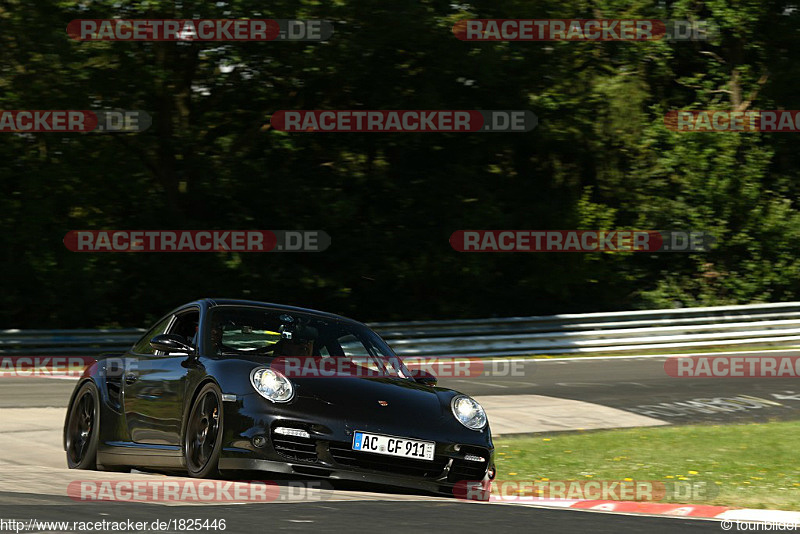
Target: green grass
751	465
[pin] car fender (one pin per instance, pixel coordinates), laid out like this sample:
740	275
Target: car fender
95	373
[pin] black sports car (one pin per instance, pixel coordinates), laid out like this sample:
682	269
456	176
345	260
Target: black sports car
223	385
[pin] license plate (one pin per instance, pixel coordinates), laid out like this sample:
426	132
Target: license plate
393	446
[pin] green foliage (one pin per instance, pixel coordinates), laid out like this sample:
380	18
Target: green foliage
600	157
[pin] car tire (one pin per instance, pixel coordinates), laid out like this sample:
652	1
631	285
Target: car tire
82	429
202	443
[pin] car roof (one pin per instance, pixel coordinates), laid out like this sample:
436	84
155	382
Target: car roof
214	302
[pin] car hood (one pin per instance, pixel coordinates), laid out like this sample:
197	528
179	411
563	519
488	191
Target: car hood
380	396
360	394
347	404
388	406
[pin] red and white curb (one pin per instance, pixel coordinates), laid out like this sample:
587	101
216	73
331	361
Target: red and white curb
659	508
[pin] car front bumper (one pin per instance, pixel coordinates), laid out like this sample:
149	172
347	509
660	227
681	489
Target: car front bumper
251	444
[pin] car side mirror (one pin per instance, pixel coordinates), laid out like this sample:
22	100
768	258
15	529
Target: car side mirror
425	378
171	343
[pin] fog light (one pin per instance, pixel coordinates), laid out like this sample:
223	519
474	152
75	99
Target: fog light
296	432
474	458
491	473
259	441
456	448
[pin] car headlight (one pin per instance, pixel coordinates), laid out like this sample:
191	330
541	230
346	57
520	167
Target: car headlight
272	385
468	412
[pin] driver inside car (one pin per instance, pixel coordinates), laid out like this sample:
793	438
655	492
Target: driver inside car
296	340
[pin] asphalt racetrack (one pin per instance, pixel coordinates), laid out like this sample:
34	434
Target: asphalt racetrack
34	476
637	385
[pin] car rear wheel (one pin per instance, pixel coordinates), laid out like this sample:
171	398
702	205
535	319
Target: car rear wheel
203	439
82	430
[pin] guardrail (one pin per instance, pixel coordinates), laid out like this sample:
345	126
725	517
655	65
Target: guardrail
614	332
66	342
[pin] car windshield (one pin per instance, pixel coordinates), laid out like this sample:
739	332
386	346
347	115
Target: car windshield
242	330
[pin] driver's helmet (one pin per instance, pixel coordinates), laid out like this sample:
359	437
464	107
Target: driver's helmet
297	338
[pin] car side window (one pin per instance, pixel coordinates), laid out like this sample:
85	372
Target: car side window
186	325
143	345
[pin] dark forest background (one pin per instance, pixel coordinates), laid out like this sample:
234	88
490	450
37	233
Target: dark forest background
600	157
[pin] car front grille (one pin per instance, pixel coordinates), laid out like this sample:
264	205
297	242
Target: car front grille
467	469
301	449
295	447
344	455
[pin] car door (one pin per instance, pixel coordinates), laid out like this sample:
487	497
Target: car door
155	385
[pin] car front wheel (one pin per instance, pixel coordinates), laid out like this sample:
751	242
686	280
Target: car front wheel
203	440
